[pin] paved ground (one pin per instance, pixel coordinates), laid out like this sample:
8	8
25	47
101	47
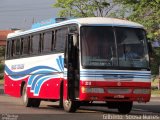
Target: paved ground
11	108
1	89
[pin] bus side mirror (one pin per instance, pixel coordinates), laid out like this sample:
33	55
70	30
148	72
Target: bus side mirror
68	49
71	43
150	49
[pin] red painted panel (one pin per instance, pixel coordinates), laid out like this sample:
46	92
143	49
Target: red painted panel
115	84
65	93
12	87
111	97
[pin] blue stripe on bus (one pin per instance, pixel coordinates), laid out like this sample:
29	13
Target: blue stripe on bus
35	80
39	84
61	62
58	62
36	73
27	72
41	81
30	80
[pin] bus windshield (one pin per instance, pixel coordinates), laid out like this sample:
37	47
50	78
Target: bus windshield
114	47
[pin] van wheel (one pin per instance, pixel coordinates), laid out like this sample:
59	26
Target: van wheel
125	107
69	106
26	101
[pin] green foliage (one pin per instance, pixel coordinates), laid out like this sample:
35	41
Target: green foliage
155	61
84	8
1	70
145	12
2	51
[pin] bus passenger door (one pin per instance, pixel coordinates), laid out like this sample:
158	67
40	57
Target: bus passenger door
72	65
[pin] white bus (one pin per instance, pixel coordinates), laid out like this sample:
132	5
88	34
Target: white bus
79	62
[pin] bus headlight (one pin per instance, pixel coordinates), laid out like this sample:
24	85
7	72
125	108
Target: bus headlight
92	90
142	91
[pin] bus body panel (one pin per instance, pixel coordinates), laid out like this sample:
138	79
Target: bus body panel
65	93
42	74
12	87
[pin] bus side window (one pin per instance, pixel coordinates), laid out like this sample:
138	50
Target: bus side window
17	51
35	44
41	42
25	42
8	52
53	41
13	48
47	42
60	39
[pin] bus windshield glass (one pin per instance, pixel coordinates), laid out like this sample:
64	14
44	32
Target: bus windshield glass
114	47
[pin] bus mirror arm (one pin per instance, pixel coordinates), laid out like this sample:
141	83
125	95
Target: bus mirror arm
65	63
69	61
68	49
150	49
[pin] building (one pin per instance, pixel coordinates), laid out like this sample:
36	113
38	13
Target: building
3	36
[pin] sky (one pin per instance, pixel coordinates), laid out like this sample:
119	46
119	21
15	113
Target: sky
22	13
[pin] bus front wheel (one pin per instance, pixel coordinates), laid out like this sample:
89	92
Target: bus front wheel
125	107
69	106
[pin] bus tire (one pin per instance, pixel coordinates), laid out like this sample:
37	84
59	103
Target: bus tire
69	106
26	101
125	107
112	105
36	103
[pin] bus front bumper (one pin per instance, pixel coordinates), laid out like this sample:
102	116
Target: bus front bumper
115	94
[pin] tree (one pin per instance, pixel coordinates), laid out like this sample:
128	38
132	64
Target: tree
145	12
2	54
84	8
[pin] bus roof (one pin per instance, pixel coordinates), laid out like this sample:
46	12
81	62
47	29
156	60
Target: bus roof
89	21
